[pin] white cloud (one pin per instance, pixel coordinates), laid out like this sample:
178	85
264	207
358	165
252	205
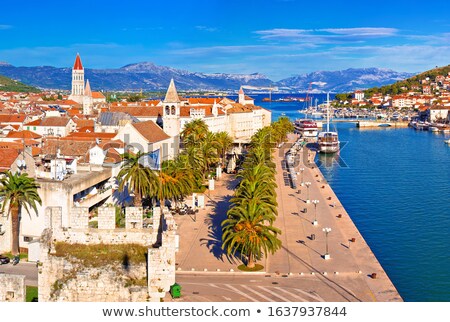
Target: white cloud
328	35
205	28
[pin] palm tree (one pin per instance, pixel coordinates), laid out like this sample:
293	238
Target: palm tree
137	177
18	190
174	180
248	232
224	141
258	185
194	132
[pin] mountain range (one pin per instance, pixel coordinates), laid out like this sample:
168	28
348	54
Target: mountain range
150	77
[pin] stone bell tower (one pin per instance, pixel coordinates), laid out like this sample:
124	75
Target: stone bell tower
77	81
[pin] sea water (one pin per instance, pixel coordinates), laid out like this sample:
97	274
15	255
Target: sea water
395	185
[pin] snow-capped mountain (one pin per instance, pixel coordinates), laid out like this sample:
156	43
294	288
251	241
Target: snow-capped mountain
145	76
343	80
148	76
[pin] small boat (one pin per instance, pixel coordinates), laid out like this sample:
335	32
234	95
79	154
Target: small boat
433	129
447	141
384	125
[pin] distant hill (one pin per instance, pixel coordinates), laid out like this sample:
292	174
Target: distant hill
343	80
134	77
406	85
10	85
150	77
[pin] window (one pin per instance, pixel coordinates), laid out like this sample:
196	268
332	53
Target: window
173	110
27	239
167	110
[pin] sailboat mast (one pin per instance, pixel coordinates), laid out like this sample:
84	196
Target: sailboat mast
328	112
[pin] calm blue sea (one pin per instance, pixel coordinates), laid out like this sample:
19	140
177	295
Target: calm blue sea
395	184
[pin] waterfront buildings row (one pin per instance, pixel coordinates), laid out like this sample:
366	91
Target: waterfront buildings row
73	144
431	97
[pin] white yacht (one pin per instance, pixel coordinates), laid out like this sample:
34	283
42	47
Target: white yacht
307	128
328	141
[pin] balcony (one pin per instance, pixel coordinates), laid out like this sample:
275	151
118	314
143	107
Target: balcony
94	197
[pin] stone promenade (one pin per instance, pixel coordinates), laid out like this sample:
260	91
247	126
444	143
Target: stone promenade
351	268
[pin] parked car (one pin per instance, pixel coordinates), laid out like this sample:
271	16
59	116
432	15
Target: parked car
4	260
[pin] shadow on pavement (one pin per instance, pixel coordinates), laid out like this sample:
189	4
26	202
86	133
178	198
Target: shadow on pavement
214	223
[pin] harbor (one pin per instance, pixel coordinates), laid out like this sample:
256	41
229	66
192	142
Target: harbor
337	266
375	161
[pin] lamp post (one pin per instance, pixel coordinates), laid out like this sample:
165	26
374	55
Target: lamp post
307	184
315	202
326	230
301	170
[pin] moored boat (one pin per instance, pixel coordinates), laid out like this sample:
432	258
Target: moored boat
305	127
328	141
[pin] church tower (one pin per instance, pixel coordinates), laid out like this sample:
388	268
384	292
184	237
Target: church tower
171	120
241	96
87	99
171	111
77	81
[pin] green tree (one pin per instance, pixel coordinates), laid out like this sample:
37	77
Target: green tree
194	132
224	143
18	191
248	231
136	177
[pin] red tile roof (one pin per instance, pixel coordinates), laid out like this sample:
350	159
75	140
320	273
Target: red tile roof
139	111
78	65
50	121
24	135
12	118
151	131
7	158
97	95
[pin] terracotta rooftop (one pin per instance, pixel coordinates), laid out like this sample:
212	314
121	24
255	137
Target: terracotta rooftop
89	135
69	148
151	131
12	118
7	158
50	121
83	123
98	95
24	135
139	111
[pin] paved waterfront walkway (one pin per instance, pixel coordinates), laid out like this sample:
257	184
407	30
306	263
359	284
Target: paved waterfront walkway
348	271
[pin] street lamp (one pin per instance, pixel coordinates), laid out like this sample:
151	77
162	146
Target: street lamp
326	230
301	170
307	184
315	202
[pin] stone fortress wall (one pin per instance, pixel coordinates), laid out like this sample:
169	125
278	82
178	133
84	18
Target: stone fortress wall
62	279
12	288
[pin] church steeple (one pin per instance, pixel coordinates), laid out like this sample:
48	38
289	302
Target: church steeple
172	95
78	65
87	89
77	81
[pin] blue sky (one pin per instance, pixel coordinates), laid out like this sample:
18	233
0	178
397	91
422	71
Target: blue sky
278	38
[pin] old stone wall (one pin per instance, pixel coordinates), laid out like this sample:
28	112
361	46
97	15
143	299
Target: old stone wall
62	279
134	218
161	261
53	218
12	288
79	217
106	218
